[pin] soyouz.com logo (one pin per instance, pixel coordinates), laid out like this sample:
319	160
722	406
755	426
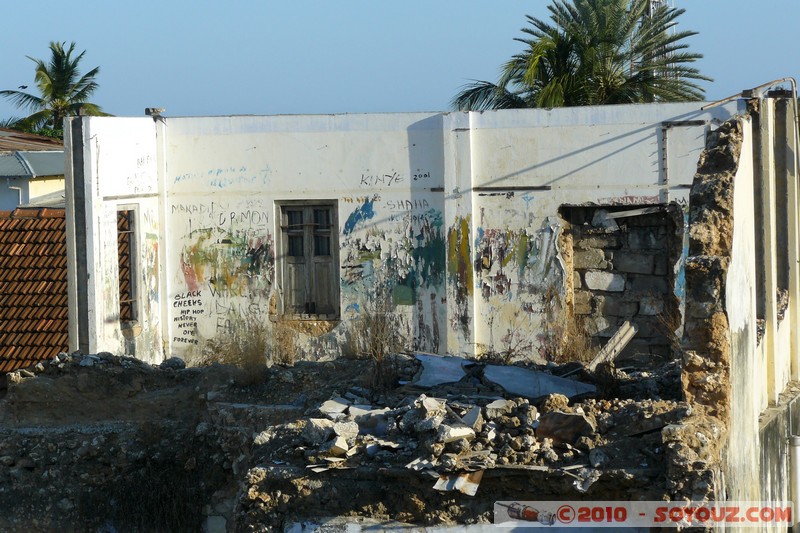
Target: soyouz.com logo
641	514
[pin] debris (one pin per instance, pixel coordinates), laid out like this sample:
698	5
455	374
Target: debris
431	406
369	420
346	430
555	402
564	427
597	458
497	409
317	431
615	344
450	434
602	220
337	447
531	384
473	418
334	408
587	478
491	434
466	483
633	212
437	369
419	464
172	363
388	444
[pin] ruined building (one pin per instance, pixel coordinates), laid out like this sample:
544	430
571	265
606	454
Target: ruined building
525	235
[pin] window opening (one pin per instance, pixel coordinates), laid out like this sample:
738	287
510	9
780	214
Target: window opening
126	261
310	266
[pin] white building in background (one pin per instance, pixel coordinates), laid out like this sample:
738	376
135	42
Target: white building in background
26	176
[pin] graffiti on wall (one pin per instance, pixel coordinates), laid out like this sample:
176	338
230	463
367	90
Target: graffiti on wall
185	310
406	251
517	271
521	258
226	264
229	176
460	274
237	263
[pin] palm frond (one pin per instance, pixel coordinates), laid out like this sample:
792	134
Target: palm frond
595	52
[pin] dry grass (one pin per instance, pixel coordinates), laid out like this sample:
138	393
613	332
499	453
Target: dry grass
515	344
284	347
246	344
564	338
669	324
376	335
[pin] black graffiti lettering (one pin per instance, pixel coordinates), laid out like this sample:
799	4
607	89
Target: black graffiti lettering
380	180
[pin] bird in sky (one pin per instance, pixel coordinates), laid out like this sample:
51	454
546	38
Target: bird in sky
23	86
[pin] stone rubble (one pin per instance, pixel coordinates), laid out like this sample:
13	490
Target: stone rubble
315	439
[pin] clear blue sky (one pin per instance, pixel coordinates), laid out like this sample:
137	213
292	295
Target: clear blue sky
326	56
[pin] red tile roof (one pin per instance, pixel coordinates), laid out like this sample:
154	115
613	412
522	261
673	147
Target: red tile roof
33	287
11	140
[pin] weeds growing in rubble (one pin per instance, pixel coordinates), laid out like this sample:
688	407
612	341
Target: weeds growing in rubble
250	343
245	344
515	344
669	323
375	335
283	349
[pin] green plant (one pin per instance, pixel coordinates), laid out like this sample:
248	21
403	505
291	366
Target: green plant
63	92
594	52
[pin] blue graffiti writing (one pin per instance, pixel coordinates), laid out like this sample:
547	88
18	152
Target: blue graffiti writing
361	214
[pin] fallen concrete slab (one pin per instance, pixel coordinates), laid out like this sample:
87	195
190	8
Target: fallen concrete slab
532	384
438	369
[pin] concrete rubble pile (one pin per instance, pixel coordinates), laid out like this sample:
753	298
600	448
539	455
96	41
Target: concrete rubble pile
451	439
437	437
313	440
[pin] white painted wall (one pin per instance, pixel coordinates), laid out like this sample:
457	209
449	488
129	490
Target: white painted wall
119	169
420	196
748	376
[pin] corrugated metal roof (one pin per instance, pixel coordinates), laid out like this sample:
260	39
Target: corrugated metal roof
11	140
25	164
53	199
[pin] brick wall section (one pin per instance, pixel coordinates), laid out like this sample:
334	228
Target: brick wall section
33	287
625	272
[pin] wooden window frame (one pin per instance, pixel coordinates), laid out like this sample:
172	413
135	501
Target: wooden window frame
314	288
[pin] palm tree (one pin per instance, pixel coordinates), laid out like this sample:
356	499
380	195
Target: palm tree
594	52
64	92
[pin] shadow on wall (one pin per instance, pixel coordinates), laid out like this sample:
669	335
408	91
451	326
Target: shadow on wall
423	286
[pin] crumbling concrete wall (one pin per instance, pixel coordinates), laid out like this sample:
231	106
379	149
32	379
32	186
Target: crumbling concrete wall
455	215
731	371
